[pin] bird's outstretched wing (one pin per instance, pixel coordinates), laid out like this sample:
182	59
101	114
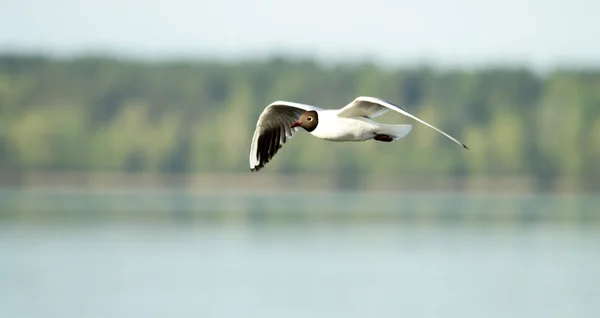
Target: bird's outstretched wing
370	107
273	129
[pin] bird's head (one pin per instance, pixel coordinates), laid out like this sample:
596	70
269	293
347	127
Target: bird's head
308	120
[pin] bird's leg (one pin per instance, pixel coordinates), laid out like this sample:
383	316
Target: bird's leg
384	138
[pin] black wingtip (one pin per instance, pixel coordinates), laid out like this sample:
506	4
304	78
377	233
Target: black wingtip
465	146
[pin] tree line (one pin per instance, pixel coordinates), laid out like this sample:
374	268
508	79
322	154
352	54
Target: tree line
105	114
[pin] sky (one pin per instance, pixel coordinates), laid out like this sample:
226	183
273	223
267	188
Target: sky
538	33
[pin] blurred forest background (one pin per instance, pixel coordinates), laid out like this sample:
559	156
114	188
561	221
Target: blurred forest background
93	116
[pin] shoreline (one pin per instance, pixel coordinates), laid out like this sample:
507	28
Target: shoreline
207	183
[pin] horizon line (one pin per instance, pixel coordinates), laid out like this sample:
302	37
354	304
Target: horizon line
404	63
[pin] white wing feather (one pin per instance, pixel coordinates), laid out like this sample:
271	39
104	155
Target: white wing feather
366	106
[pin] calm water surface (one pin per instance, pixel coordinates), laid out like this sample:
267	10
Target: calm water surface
73	266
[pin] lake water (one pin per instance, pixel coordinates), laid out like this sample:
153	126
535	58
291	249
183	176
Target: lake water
178	254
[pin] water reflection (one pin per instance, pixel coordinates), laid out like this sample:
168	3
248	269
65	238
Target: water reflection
67	254
340	206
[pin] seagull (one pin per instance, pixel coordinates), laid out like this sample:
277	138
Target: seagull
280	120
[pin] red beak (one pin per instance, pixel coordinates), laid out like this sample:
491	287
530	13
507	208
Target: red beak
296	124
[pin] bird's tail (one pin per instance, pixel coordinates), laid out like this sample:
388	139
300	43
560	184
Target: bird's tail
394	131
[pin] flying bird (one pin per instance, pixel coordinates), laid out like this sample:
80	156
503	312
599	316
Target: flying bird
280	120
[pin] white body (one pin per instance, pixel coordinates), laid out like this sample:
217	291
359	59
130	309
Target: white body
334	128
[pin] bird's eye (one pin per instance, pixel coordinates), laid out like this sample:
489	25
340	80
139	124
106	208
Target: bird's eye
309	118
